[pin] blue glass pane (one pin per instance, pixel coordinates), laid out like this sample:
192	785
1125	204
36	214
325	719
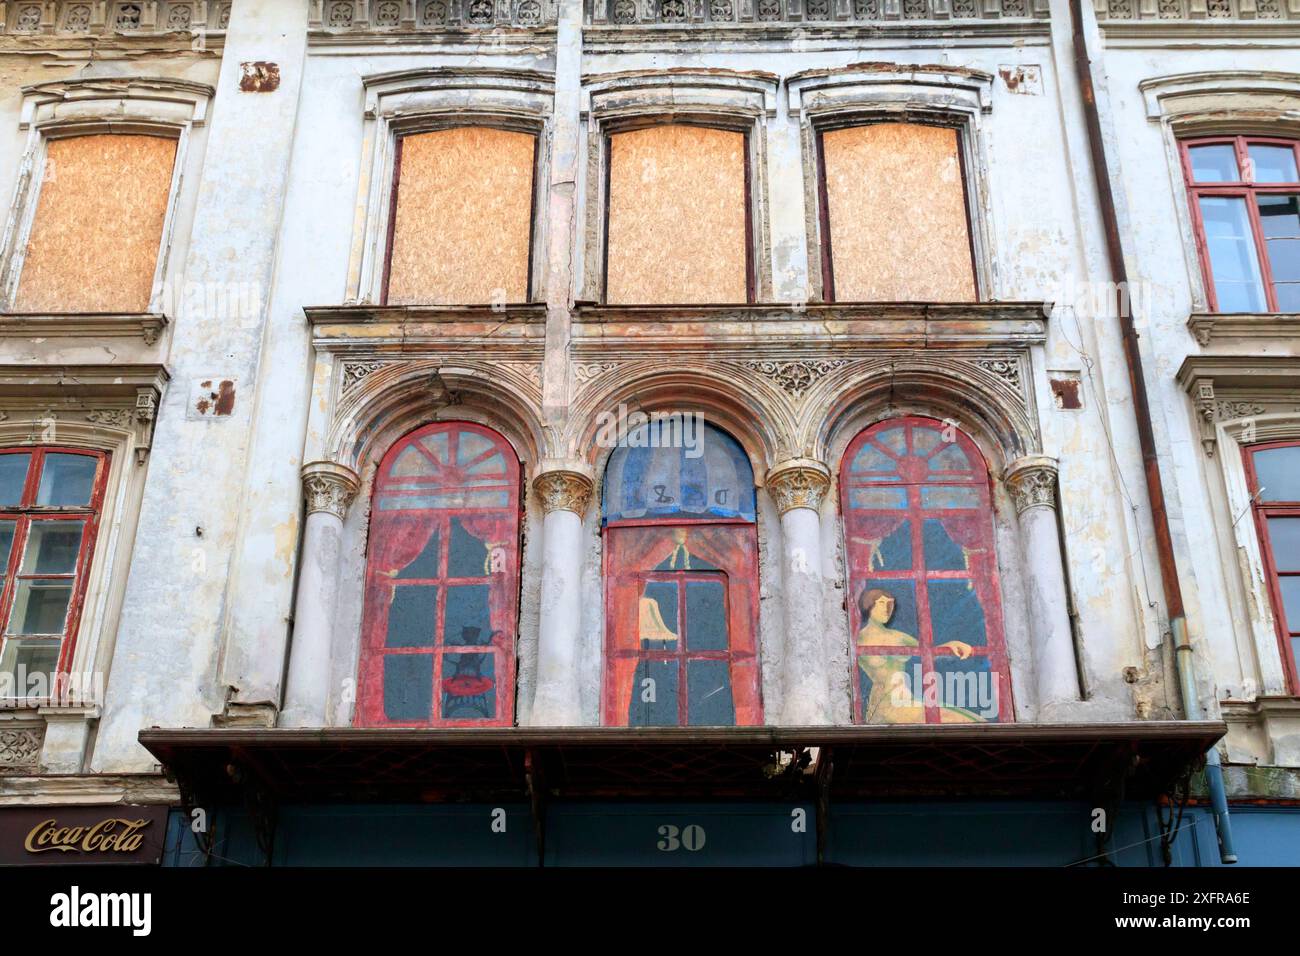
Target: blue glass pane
1214	164
411	615
951	458
871	458
408	686
470	445
956	613
468	556
13	474
1290	588
925	440
1284	539
895	551
946	496
969	686
424	564
466	618
895	439
941	552
67	480
654	695
892	499
706	616
1233	259
469	687
1273	164
1278	471
708	694
706	473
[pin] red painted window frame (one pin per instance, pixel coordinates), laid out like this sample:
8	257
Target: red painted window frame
736	615
995	648
26	513
370	691
1245	189
1285	630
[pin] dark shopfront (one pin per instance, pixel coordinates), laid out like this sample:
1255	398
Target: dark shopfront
1013	794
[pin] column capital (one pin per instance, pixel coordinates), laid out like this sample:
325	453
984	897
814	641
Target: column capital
329	486
1032	482
798	483
562	488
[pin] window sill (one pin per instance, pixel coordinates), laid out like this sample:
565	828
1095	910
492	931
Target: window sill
1210	327
1268	726
144	325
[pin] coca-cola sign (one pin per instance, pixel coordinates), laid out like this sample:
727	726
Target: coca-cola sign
117	834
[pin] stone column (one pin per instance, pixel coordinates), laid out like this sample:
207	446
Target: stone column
1032	483
329	489
565	493
798	487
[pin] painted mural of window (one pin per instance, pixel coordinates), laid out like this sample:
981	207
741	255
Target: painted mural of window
894	219
1273	470
50	501
442	582
927	621
1246	209
681	599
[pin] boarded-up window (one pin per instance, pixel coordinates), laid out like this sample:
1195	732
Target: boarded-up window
897	215
462	225
98	226
677	224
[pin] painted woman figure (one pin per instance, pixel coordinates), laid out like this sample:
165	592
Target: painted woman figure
892	699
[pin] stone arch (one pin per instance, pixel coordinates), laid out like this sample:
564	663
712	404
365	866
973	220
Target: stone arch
392	402
756	420
978	401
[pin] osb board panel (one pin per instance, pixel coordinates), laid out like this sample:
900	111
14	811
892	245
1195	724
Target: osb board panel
464	207
676	216
99	220
897	214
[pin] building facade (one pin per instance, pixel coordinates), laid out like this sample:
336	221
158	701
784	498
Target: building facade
764	431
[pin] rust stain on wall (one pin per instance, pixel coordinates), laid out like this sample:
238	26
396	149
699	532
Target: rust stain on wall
1066	392
259	77
94	241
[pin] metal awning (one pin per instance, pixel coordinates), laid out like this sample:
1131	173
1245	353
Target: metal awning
1055	761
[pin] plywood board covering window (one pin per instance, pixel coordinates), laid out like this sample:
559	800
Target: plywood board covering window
897	211
462	227
677	223
94	241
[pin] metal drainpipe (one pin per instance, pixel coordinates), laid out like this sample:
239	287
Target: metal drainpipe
1146	437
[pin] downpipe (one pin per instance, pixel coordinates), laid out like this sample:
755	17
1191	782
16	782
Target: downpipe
1184	654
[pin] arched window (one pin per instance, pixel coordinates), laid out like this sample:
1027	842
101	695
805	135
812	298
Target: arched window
927	622
681	581
442	582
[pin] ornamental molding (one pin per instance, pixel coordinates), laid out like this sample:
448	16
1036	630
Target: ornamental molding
354	373
146	326
1163	11
20	748
584	372
564	489
1252	398
1211	327
1032	482
1186	97
798	483
394	18
329	487
795	378
529	370
814	13
142	99
890	86
75	19
1007	370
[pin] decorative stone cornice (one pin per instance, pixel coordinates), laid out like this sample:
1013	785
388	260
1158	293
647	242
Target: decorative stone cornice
328	486
563	489
798	483
1032	482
